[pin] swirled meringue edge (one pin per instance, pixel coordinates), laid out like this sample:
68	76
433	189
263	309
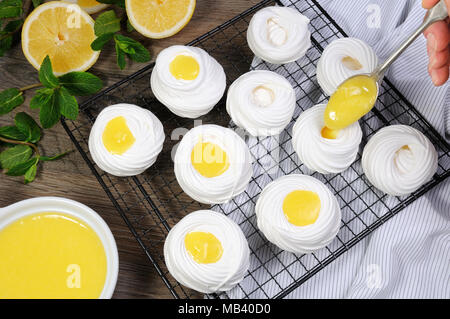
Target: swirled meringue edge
331	72
261	120
220	189
297	239
383	164
295	26
326	156
189	99
147	130
207	278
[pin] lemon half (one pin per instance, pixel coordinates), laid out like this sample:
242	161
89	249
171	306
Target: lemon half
90	6
159	18
64	32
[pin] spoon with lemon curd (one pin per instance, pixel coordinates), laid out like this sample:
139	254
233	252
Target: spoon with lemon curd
357	95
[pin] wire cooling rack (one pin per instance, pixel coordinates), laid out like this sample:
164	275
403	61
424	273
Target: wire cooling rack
153	202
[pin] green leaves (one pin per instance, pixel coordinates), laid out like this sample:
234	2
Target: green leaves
107	22
10	99
10	8
67	103
7	33
15	155
58	96
12	133
106	27
81	83
28	127
46	76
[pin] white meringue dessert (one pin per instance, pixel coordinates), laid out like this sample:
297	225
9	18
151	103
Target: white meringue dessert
342	59
298	213
126	139
206	251
262	102
321	149
279	35
187	80
399	159
212	164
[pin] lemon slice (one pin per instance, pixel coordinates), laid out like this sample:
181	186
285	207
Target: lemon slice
64	32
159	18
90	6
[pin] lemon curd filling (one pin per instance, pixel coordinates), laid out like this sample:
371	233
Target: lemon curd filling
184	67
51	255
329	134
301	207
352	100
209	159
117	137
204	247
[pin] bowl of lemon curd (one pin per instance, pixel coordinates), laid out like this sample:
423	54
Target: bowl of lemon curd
55	248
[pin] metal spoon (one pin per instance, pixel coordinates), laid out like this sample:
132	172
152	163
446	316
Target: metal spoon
437	13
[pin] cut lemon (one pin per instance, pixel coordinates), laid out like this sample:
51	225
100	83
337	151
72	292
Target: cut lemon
64	32
159	18
90	6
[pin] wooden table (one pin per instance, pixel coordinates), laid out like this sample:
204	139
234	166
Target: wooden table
71	177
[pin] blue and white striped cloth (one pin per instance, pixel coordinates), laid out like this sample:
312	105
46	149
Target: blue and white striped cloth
409	256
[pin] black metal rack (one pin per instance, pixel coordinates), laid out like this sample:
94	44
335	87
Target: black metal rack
153	202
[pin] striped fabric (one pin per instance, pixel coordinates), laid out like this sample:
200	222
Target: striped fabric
409	256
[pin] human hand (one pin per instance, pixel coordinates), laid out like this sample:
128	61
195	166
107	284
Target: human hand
438	40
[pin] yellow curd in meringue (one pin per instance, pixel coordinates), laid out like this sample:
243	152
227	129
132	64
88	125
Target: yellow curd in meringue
301	207
117	136
51	255
204	247
209	159
352	100
184	67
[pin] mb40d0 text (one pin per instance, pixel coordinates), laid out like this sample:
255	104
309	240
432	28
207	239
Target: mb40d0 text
246	308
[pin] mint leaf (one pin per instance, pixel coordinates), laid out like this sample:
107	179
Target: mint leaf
13	26
36	3
50	113
10	8
46	76
53	158
30	175
100	42
130	27
27	125
107	22
81	83
120	57
135	50
42	97
68	105
5	44
12	133
15	155
10	99
22	168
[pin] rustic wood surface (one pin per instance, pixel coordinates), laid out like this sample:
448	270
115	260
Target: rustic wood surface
72	178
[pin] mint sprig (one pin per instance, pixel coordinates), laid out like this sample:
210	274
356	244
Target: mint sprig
20	154
107	26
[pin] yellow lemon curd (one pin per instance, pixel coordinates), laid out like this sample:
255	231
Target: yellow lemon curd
184	67
51	255
209	159
204	247
301	207
117	136
352	100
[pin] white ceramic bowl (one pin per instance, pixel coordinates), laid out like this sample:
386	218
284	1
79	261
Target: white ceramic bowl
66	206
